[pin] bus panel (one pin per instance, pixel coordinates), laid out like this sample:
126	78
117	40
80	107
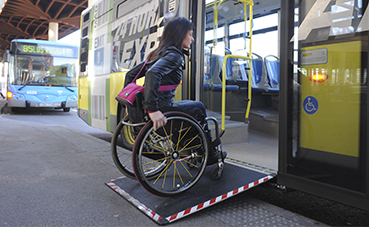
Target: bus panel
115	36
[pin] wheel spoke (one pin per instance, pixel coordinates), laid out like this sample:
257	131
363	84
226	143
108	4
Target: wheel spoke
174	157
165	169
190	163
188	143
156	146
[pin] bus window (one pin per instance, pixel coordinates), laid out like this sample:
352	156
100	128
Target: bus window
44	70
265	22
209	34
265	35
266	44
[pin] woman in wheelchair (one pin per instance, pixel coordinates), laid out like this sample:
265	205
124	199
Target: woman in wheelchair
170	152
165	68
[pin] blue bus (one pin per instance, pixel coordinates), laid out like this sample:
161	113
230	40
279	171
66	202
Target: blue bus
42	74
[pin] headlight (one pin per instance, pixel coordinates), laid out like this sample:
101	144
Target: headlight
9	94
73	97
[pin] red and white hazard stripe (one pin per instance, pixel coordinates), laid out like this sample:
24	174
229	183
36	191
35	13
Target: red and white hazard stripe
134	201
156	217
213	201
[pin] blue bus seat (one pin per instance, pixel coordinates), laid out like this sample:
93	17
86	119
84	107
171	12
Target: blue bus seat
259	82
258	78
213	72
272	71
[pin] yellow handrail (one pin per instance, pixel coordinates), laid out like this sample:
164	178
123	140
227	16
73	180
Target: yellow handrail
249	3
215	23
224	86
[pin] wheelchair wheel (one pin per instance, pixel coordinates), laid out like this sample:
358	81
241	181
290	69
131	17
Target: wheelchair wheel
122	157
171	159
128	133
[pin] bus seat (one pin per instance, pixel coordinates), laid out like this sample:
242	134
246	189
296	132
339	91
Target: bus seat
218	87
207	86
258	78
229	69
272	71
213	72
239	76
258	83
236	71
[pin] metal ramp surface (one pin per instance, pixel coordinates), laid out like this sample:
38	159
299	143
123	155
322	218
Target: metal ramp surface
237	177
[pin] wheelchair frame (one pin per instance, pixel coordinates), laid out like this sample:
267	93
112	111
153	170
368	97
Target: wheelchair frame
170	160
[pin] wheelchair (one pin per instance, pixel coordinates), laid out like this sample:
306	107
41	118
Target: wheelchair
170	160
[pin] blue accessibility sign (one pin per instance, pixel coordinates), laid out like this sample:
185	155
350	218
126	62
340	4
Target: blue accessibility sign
310	105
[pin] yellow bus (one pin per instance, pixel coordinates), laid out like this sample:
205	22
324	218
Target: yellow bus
303	76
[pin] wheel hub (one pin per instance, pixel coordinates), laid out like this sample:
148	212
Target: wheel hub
175	155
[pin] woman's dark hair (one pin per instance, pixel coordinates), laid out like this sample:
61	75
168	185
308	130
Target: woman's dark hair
173	35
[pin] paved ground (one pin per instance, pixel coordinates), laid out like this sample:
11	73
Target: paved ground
53	175
2	103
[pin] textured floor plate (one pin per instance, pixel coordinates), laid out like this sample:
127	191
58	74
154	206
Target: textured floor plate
207	192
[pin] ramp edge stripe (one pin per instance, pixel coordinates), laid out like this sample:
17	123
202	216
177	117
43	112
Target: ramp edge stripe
150	213
220	198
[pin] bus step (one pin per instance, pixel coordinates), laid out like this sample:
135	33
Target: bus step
236	131
264	121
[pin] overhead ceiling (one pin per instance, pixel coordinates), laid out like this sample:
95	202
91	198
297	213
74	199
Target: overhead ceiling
29	19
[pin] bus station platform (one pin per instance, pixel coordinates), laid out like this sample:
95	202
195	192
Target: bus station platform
61	173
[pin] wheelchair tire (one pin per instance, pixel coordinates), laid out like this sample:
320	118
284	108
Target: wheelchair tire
172	159
128	133
122	156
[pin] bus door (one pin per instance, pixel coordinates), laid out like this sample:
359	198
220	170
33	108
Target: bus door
323	118
226	33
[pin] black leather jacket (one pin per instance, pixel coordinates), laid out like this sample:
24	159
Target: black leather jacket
165	69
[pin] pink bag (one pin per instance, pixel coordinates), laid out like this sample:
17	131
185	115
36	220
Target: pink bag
128	95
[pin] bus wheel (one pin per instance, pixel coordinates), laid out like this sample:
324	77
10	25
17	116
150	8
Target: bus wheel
66	109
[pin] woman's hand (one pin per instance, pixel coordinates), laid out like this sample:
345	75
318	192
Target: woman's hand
158	119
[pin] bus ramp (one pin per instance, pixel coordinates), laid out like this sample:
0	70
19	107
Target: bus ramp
237	177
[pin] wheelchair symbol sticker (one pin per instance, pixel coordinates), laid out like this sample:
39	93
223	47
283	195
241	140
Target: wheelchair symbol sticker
310	105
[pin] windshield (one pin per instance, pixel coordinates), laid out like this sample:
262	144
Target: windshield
43	70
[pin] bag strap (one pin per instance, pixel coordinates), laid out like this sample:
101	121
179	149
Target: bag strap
168	87
134	80
161	88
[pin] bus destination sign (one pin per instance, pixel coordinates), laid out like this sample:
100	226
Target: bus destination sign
53	50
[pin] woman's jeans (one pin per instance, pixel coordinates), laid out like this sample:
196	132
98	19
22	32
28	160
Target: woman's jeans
195	108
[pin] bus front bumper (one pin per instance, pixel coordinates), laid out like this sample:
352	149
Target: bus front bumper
24	104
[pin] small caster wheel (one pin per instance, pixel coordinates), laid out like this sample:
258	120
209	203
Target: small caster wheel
218	171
